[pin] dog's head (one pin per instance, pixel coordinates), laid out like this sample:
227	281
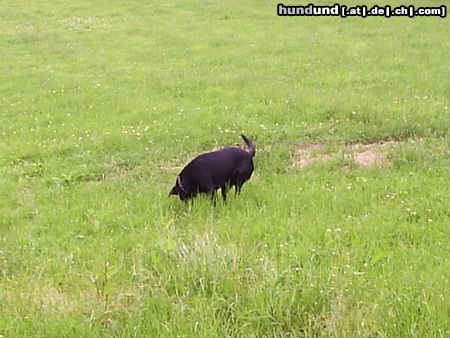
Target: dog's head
173	191
180	190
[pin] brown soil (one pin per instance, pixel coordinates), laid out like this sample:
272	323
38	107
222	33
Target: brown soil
364	155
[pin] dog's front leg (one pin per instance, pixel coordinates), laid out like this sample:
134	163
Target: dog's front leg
213	197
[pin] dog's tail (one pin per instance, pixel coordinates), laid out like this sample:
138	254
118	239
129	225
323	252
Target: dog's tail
250	145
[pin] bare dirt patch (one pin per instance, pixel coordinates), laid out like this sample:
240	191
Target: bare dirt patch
364	155
307	153
372	154
369	158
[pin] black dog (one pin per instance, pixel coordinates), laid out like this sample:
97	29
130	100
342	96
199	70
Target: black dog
222	169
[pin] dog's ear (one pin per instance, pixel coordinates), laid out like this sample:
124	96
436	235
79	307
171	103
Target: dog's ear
174	191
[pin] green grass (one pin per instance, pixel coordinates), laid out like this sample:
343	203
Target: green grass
102	104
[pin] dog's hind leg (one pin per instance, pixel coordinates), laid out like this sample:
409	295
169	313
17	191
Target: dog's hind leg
237	188
243	176
224	190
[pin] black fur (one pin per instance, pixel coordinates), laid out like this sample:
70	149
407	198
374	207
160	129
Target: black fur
221	169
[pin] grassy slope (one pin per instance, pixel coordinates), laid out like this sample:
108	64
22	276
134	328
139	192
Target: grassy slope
100	104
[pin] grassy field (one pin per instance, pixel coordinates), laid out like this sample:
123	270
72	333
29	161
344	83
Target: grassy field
102	103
